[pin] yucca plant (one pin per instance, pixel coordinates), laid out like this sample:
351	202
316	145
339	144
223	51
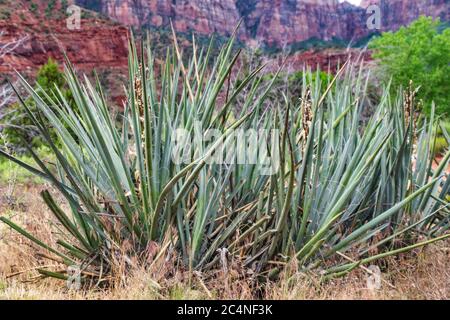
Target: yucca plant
340	187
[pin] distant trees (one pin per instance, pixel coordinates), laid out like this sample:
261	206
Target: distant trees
419	53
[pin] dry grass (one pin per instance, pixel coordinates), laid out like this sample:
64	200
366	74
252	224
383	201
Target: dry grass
424	274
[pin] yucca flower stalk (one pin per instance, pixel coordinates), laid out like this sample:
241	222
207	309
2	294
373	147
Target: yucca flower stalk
341	187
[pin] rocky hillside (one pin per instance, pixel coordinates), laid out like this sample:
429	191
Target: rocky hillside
43	33
269	22
37	30
397	13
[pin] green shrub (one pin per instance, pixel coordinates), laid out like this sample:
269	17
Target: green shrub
17	128
33	7
297	79
421	54
64	6
5	14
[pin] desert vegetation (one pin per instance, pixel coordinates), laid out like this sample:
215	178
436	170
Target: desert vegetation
344	194
343	191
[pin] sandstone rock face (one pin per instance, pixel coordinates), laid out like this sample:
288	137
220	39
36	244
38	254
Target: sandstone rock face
99	44
283	22
270	22
203	16
397	13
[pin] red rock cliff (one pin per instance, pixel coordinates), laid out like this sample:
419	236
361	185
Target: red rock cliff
397	13
98	43
273	22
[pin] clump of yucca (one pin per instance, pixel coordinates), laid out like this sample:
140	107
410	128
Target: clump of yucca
339	188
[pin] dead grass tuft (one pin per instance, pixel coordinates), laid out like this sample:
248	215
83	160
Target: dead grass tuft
423	274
